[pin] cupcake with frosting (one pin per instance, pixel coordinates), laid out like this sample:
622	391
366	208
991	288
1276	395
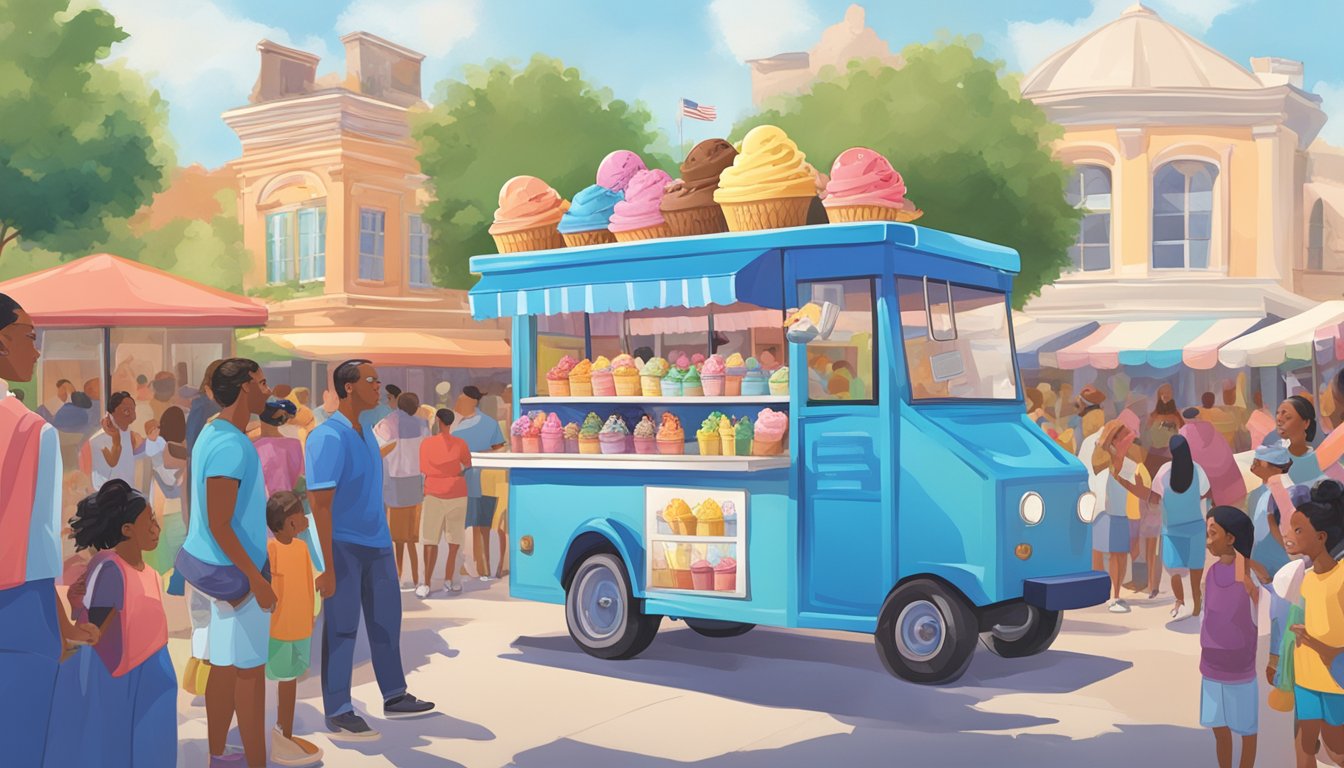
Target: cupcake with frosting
604	385
688	206
712	375
571	434
734	369
744	433
639	216
651	377
691	384
707	437
768	185
528	214
779	381
552	435
671	437
771	433
517	431
708	518
581	379
557	379
646	436
864	187
754	381
614	435
588	434
625	376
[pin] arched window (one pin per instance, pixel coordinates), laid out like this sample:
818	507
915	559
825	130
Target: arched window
1316	237
1090	190
1183	214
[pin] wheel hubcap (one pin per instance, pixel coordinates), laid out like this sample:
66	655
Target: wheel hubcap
601	604
920	631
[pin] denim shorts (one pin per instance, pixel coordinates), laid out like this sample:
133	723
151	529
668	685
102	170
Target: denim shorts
1235	706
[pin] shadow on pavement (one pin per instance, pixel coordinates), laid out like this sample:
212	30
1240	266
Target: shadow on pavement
839	677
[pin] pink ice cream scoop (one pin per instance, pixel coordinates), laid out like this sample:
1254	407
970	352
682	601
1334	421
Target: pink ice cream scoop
617	169
553	426
771	424
683	362
641	206
713	366
862	176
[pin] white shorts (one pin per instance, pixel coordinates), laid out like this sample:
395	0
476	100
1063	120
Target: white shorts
198	609
443	518
239	637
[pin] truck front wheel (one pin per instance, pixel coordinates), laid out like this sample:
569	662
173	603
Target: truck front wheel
1040	629
926	633
603	615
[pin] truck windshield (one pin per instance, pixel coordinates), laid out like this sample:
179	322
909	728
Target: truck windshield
958	344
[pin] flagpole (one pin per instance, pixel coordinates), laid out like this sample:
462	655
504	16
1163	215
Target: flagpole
681	134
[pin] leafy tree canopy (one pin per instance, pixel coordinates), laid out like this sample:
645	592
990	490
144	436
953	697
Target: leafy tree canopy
974	154
82	141
498	122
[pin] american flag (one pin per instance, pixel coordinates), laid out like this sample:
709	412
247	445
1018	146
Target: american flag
698	111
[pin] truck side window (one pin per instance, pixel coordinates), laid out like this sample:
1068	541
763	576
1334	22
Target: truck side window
844	366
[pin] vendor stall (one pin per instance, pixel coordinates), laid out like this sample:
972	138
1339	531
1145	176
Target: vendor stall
676	453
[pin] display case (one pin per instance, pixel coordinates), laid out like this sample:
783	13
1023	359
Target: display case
696	540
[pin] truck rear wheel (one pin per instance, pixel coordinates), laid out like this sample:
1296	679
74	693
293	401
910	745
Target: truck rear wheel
1039	631
712	628
926	633
603	615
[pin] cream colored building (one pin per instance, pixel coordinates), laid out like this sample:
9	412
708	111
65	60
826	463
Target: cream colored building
790	73
331	200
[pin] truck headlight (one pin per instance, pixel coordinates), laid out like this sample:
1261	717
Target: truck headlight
1032	508
1087	507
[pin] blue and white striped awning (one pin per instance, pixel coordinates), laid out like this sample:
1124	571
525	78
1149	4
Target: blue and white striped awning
550	286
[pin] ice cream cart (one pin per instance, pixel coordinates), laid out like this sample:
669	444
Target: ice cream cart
888	481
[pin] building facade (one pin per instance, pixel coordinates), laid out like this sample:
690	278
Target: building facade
789	73
331	200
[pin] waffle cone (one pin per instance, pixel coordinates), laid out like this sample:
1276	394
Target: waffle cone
705	220
535	239
847	213
592	237
776	213
644	233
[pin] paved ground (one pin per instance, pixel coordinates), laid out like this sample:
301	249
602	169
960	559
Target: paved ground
514	690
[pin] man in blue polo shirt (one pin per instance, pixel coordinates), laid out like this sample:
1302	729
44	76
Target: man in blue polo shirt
344	470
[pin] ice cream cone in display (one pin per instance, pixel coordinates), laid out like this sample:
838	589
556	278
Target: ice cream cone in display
768	186
709	443
725	575
702	576
727	437
593	237
708	518
679	517
651	377
671	437
679	560
581	379
529	211
638	216
688	205
625	376
770	436
589	441
864	187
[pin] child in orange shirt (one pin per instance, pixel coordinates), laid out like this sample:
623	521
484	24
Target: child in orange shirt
292	577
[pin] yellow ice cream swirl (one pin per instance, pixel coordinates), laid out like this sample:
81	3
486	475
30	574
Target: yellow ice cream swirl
769	166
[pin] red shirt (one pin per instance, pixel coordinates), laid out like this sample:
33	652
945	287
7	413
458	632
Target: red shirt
443	457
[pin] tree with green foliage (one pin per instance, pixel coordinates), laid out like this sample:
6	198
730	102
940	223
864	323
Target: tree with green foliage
208	251
82	141
498	122
974	154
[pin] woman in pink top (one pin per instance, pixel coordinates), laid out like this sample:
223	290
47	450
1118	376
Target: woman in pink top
281	456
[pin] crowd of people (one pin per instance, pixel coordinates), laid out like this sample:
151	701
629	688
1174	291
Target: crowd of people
264	511
1168	481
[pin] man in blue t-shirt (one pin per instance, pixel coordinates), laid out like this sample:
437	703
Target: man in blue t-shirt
481	434
224	557
344	471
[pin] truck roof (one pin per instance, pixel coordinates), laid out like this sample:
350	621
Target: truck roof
691	271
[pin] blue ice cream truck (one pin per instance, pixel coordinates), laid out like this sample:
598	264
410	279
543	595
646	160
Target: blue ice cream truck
913	499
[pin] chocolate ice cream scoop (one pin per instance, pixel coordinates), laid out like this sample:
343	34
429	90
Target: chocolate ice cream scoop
700	175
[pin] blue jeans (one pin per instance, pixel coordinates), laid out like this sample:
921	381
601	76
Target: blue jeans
30	647
366	583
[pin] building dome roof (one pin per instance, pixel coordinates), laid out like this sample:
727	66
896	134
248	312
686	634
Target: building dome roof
1138	51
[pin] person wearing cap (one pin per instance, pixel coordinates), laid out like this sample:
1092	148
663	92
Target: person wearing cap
481	434
1270	459
1089	418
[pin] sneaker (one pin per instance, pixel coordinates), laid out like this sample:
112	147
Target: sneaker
350	727
1182	611
1118	606
406	705
407	585
422	591
456	586
293	751
487	578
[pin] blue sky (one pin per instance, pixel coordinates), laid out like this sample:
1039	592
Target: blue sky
202	55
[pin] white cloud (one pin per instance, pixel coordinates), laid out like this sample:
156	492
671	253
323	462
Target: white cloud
1031	42
755	29
191	50
431	27
1332	101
